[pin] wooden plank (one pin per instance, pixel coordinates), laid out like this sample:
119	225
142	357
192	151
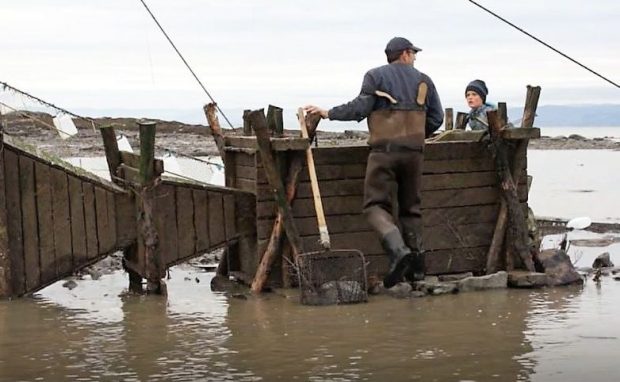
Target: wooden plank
437	262
244	159
340	155
466	197
229	217
14	221
245	185
62	222
29	223
230	171
458	165
201	219
245	172
458	180
165	218
104	229
45	216
185	222
277	144
90	218
307	226
133	160
6	289
336	205
78	223
126	219
111	202
451	236
216	218
521	133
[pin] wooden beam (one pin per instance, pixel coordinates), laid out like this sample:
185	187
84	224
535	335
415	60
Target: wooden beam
112	153
277	144
5	257
460	121
531	104
211	113
274	120
247	129
449	120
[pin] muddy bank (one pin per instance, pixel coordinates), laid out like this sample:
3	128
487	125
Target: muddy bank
195	140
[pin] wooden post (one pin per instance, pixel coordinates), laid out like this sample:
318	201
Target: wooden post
511	212
274	121
531	104
6	289
259	124
211	113
502	111
460	121
148	240
112	153
247	129
449	121
273	247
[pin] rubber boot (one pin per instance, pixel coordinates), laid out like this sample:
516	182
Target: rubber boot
417	266
400	257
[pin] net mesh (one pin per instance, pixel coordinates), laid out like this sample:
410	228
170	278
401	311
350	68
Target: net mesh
332	277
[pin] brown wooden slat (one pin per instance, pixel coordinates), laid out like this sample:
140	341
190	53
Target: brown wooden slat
452	236
45	216
201	219
277	144
90	218
126	219
185	222
340	155
244	159
336	205
29	223
216	218
245	185
104	229
14	221
112	218
78	223
62	223
466	197
245	172
229	217
165	218
307	226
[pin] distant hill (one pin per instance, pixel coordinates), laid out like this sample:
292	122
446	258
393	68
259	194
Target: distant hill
573	115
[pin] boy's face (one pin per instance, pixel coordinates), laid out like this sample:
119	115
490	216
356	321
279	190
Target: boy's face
473	99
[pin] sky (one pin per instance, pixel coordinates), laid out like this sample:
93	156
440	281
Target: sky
107	57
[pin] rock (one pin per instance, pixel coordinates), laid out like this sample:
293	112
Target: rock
400	290
602	261
455	276
431	279
558	267
493	281
435	288
417	294
525	279
69	284
577	137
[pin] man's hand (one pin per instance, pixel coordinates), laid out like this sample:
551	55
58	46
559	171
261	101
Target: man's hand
312	109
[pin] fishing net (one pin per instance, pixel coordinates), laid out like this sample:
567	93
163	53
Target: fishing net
332	277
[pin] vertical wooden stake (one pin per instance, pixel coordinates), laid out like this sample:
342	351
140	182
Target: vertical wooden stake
247	129
148	241
112	154
449	121
502	111
214	123
6	289
460	121
274	121
531	104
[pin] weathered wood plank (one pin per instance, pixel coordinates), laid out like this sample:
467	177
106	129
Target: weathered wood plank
165	222
201	219
337	205
90	217
245	172
245	185
216	218
111	202
29	223
78	223
14	221
104	229
521	133
126	219
277	144
244	159
6	289
308	226
45	218
229	217
62	223
185	222
466	197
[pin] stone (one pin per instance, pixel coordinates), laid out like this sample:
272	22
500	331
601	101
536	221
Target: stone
492	281
558	267
455	276
435	288
525	279
400	290
69	284
602	261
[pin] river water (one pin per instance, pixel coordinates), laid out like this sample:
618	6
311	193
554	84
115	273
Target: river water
97	332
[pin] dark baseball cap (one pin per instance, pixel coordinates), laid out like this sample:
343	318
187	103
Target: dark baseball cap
398	44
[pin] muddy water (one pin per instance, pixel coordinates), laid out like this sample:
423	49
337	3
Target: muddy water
95	332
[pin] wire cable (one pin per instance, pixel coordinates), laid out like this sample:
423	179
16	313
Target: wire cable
185	62
545	44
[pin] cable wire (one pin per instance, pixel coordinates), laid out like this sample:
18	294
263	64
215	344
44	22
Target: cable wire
185	62
544	43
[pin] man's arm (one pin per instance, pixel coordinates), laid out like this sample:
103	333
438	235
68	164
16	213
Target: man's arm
434	110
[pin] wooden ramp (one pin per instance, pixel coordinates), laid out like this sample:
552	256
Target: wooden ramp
56	219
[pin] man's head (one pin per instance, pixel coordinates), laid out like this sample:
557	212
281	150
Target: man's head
476	93
401	49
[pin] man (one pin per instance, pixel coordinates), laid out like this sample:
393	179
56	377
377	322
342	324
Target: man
402	107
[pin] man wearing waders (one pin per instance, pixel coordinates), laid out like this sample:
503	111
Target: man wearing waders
402	107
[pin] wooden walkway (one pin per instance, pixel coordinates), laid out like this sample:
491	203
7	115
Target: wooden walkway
56	219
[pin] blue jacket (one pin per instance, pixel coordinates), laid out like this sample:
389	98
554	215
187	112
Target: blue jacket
477	118
401	82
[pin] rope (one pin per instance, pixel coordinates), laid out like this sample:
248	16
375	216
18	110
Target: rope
545	44
51	127
186	63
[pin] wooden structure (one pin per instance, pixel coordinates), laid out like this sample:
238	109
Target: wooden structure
460	201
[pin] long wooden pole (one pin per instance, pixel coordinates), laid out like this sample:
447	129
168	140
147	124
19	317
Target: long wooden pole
6	289
112	154
279	226
214	123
